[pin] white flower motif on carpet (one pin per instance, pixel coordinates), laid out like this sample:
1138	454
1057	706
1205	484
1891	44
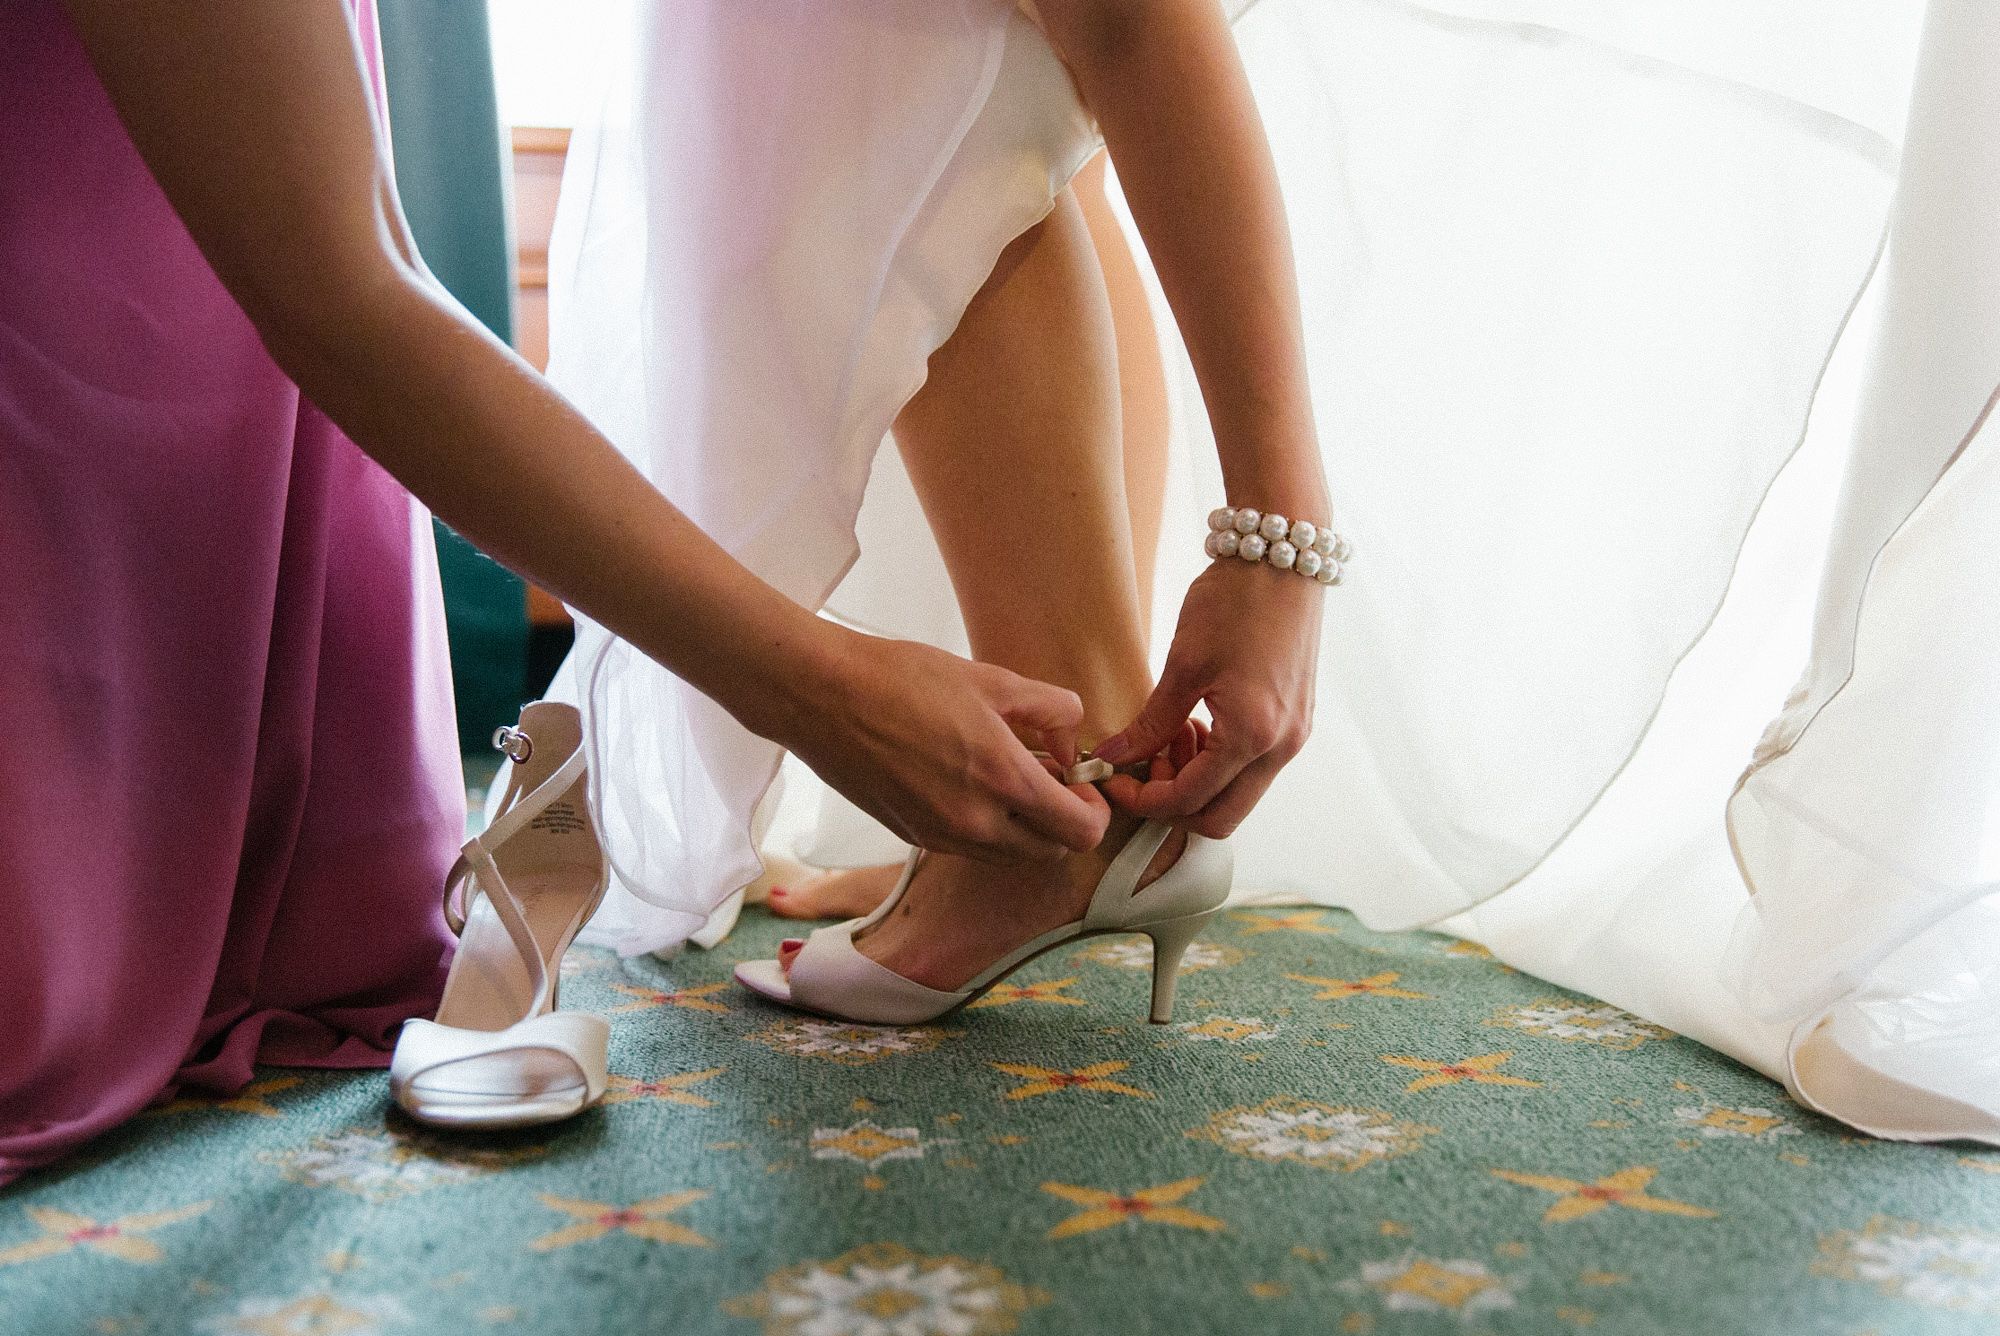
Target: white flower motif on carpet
1580	1021
382	1166
1938	1268
310	1315
846	1042
885	1289
866	1143
1297	1131
1136	953
1749	1124
1229	1029
1416	1284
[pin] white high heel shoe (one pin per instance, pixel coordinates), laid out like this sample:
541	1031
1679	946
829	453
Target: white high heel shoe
499	1054
831	977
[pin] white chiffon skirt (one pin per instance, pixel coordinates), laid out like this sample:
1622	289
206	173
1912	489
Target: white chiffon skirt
1654	354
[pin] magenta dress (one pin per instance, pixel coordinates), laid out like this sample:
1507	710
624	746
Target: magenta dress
227	764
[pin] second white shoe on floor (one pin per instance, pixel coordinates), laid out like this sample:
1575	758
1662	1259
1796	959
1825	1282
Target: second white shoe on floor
499	1054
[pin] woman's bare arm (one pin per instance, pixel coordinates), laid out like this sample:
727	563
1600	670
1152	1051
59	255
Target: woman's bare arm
1164	81
256	119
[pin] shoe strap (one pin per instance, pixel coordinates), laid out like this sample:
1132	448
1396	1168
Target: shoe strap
831	976
519	808
515	812
424	1047
477	872
482	877
894	898
1120	881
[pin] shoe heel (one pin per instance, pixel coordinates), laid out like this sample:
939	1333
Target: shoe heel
1171	938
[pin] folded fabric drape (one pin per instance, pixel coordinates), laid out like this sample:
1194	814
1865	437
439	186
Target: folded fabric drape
1599	319
1866	825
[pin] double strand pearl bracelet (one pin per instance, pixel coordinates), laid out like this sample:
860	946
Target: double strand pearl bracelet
1312	550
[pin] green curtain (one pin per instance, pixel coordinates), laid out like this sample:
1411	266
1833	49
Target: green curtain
452	172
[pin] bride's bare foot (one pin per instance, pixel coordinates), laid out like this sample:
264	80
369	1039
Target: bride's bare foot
848	893
959	915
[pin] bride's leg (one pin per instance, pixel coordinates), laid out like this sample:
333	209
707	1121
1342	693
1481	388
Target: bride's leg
1143	434
1014	448
1142	377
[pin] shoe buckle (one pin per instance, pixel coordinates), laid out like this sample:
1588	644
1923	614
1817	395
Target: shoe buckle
1087	770
513	743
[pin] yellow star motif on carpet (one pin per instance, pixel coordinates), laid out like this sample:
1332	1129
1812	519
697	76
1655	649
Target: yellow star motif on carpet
252	1098
671	1089
646	1220
694	999
121	1238
1485	1070
1627	1188
1048	1080
1051	992
1375	985
1305	920
1103	1210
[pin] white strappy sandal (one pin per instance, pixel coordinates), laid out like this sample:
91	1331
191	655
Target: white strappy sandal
499	1054
831	977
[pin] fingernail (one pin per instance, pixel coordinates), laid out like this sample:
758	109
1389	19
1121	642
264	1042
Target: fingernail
792	943
1112	749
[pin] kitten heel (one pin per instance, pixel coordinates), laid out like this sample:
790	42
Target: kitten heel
1171	939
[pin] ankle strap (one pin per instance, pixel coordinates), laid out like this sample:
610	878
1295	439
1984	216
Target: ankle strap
518	806
476	872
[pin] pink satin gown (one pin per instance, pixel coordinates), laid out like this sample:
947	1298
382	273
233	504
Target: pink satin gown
229	785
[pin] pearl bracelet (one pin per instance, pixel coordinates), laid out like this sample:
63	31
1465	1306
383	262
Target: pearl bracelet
1312	550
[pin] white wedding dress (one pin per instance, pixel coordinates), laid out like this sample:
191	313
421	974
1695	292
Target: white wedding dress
1654	350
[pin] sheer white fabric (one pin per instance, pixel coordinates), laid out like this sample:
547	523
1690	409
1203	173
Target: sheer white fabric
1574	275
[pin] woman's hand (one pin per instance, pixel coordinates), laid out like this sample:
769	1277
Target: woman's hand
929	744
1247	645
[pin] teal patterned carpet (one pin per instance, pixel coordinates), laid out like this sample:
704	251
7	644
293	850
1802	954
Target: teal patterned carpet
1346	1132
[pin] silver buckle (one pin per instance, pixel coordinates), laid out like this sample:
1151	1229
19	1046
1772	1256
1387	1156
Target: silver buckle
513	743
